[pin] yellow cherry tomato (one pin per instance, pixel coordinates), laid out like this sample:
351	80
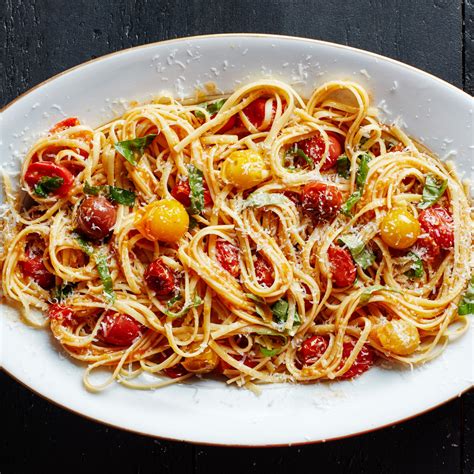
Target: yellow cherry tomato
244	169
399	228
203	363
397	336
165	220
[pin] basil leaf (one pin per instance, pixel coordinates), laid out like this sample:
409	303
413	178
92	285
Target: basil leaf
62	291
194	304
432	191
47	184
303	155
173	300
122	196
102	268
132	150
269	352
214	107
363	256
196	185
416	268
353	199
280	313
343	165
367	293
363	170
466	305
264	199
199	115
118	195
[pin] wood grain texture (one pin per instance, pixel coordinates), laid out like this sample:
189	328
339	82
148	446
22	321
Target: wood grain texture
44	37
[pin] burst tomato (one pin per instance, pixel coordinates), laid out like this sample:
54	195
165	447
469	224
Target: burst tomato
118	329
35	269
343	269
65	124
363	362
38	172
61	313
263	272
228	256
439	225
181	192
256	112
312	349
321	201
160	278
315	146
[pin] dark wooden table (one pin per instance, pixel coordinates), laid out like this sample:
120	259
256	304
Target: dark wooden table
44	37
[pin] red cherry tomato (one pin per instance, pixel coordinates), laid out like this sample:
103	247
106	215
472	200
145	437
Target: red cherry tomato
312	349
321	201
263	272
176	371
96	216
229	125
45	169
343	269
35	268
61	313
228	256
64	124
160	278
363	362
181	192
427	248
439	225
314	148
255	112
293	196
118	329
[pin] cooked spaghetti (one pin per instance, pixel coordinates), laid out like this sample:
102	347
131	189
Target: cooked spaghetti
259	237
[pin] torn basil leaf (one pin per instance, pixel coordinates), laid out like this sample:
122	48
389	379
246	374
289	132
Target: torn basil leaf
416	267
197	301
432	191
343	165
466	305
132	150
61	292
363	170
269	352
211	107
353	199
280	313
47	184
363	256
115	194
173	300
196	185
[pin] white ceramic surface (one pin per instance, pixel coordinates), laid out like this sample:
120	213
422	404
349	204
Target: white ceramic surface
208	411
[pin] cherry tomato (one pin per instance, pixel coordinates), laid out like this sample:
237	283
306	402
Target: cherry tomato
95	217
343	269
429	249
293	197
46	169
182	192
229	125
314	148
255	112
65	124
322	201
176	371
363	362
160	278
439	225
118	329
35	268
398	147
228	256
61	313
263	272
312	349
249	362
399	229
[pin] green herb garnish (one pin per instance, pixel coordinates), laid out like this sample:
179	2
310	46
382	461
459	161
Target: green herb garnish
361	177
61	292
370	290
353	199
132	150
362	255
466	305
118	195
211	107
343	165
196	185
432	191
416	267
47	184
280	311
197	301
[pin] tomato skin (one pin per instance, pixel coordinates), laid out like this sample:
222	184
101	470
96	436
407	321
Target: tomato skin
229	125
65	124
118	329
176	371
343	269
363	362
228	256
160	278
321	201
314	148
35	268
38	170
61	313
312	349
181	192
439	225
255	112
95	217
429	248
293	196
263	272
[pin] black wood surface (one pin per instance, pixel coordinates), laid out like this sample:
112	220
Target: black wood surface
41	38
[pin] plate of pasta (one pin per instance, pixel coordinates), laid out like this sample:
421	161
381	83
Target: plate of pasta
239	239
